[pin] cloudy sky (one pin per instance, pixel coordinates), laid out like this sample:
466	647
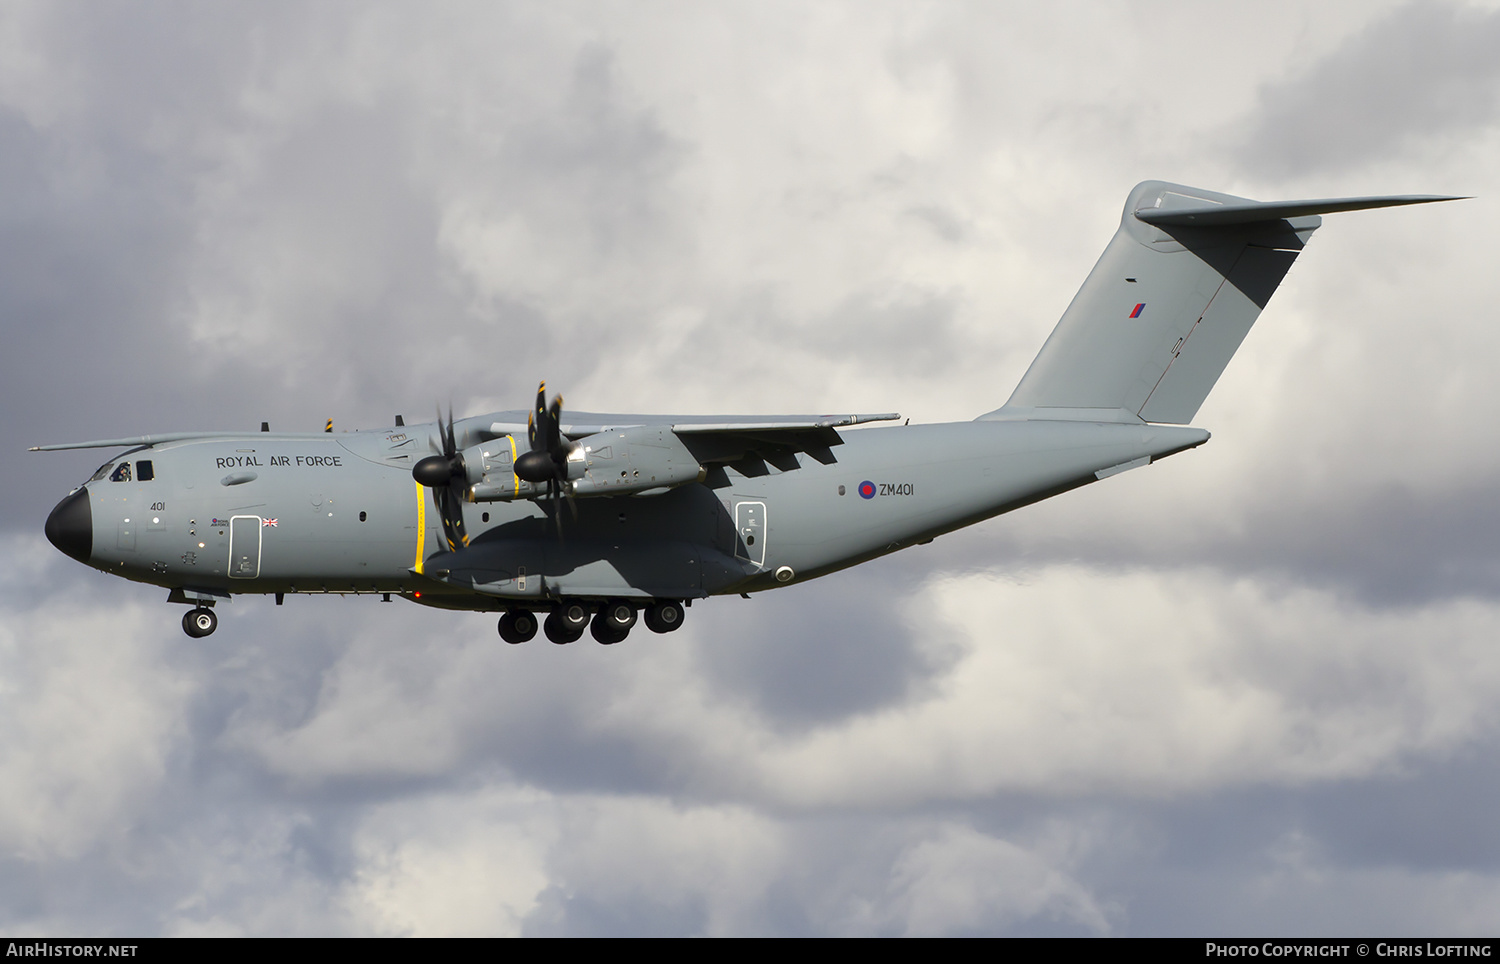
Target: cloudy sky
1252	689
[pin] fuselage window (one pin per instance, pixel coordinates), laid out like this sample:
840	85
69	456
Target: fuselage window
143	471
122	474
103	471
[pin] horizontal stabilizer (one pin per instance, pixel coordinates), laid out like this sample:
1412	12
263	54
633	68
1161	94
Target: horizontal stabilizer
1214	215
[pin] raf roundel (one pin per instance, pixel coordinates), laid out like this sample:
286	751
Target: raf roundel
867	490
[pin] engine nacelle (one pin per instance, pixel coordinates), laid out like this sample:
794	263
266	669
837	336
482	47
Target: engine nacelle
635	461
491	473
491	469
630	461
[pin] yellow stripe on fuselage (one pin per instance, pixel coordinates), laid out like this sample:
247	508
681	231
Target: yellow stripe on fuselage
513	465
421	526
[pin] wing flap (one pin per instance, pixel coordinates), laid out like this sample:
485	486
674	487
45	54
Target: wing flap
720	442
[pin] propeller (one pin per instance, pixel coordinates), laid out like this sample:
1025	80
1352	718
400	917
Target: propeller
548	459
447	476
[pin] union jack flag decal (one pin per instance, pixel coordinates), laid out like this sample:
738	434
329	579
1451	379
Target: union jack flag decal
268	522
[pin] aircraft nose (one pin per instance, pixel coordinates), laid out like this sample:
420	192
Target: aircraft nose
70	527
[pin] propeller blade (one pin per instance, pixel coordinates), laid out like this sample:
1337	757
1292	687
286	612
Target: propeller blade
536	424
547	459
450	508
446	475
554	428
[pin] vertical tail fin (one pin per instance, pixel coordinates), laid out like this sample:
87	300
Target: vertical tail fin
1169	302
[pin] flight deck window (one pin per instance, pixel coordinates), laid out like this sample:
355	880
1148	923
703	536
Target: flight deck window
122	474
143	471
103	471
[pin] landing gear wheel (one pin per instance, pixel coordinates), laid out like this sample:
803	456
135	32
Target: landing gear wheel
664	616
613	622
606	634
566	623
198	623
518	626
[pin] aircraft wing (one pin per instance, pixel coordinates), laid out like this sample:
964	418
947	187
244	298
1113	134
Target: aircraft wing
822	428
717	438
730	441
580	424
137	441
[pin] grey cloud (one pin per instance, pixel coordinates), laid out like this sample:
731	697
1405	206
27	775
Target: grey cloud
159	290
841	649
597	159
1402	87
226	842
1382	545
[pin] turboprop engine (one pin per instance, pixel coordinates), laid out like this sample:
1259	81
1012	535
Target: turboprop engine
635	461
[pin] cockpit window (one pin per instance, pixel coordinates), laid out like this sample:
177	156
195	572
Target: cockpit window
143	471
103	471
121	474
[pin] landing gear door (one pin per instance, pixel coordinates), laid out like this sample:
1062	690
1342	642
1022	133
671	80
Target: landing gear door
750	530
244	546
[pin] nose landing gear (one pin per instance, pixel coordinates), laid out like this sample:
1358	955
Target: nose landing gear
199	622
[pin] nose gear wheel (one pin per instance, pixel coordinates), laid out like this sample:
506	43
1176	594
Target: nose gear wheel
200	622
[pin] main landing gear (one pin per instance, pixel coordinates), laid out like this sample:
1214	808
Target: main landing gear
567	622
199	622
518	626
611	624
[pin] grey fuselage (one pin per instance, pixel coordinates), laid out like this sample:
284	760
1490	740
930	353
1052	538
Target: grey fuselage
267	513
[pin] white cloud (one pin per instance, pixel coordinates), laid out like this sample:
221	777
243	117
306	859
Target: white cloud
960	880
90	715
1067	682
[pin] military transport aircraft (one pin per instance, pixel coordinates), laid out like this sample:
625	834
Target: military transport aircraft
594	519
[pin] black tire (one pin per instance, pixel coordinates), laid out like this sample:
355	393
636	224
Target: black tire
664	616
619	615
574	615
198	623
561	629
606	630
518	626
